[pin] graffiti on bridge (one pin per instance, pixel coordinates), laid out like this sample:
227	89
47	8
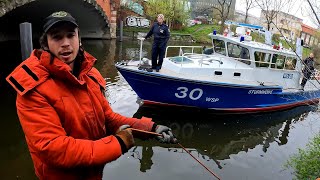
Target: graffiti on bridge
137	21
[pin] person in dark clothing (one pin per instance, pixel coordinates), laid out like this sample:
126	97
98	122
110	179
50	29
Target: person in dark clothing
308	69
161	34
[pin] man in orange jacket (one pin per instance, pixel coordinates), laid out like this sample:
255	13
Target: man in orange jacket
70	129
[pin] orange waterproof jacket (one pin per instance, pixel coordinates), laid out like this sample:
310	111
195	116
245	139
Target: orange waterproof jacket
68	123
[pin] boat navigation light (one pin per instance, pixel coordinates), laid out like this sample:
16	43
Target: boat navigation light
214	32
241	38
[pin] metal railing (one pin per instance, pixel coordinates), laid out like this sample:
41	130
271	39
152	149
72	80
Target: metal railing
181	51
208	58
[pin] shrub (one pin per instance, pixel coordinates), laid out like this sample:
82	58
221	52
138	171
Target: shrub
306	163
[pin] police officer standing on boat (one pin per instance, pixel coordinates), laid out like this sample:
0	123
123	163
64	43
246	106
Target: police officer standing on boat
161	34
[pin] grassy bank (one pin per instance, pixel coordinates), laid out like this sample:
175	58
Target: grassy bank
306	163
198	32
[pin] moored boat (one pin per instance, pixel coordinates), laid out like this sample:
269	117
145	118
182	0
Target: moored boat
235	75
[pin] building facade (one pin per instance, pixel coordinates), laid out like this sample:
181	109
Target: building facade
205	7
309	35
239	16
287	25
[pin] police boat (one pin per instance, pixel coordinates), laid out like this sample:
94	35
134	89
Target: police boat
236	75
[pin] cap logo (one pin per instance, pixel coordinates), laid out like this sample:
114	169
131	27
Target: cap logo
59	14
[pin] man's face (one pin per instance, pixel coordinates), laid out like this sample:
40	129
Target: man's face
311	56
160	20
63	42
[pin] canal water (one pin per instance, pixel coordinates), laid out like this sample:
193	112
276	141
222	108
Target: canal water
238	147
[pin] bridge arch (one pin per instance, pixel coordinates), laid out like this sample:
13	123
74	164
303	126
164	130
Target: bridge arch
93	16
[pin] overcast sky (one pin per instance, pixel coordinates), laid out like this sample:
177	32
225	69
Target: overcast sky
298	9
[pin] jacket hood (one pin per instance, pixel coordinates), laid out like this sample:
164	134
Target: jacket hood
37	68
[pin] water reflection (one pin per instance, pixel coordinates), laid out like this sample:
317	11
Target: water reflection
218	136
215	140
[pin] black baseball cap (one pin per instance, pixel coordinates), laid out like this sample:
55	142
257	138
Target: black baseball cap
56	17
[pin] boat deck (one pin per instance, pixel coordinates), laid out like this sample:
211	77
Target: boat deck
166	72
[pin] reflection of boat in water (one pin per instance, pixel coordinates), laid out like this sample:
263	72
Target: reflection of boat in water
237	76
227	135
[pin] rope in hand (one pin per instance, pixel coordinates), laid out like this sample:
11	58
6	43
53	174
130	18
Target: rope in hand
156	134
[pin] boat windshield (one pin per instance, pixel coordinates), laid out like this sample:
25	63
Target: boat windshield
219	46
181	59
239	52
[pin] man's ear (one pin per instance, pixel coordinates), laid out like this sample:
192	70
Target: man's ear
46	48
79	37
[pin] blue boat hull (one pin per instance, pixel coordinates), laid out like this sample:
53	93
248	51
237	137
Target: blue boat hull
167	90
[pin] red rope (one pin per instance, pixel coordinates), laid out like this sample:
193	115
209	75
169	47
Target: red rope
199	161
153	133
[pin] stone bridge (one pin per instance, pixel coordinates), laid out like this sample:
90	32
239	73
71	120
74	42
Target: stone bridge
96	18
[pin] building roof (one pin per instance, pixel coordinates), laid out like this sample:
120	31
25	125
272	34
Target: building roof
308	29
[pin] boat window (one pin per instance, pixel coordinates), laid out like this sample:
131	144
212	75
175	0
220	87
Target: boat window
278	61
181	60
290	63
237	51
236	74
262	59
219	46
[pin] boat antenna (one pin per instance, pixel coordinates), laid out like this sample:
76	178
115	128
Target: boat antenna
157	134
141	42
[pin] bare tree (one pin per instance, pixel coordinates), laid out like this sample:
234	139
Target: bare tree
223	8
314	11
270	9
249	5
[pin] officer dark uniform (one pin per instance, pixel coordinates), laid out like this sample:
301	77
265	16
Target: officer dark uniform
308	69
161	34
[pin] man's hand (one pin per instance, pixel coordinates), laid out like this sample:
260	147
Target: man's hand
124	134
167	135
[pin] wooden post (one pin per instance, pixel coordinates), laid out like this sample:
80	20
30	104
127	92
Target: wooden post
121	30
26	40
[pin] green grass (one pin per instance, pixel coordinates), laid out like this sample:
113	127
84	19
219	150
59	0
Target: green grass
306	163
258	38
199	32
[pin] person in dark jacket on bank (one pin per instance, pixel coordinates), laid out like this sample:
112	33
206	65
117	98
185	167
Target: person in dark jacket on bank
161	34
308	69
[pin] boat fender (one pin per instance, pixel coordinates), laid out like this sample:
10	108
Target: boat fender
123	63
145	68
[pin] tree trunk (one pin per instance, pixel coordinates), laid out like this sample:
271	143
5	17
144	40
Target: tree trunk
246	18
222	26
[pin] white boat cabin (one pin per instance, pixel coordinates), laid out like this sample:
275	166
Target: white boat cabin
232	60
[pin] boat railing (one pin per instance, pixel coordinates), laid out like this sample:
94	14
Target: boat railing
203	58
184	47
